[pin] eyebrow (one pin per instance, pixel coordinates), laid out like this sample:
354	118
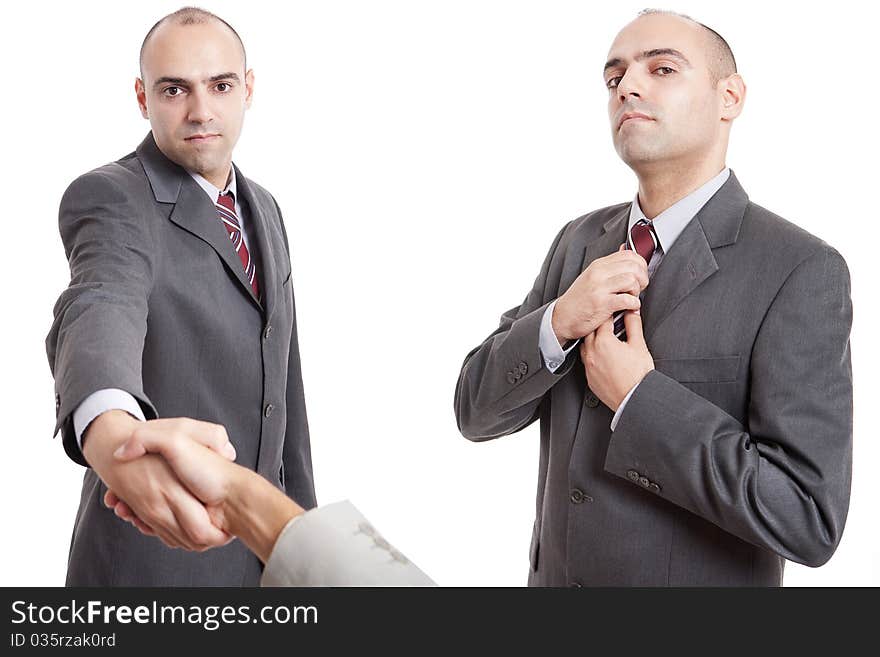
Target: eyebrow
656	52
182	81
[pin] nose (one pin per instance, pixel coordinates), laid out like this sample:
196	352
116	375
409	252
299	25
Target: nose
199	109
628	86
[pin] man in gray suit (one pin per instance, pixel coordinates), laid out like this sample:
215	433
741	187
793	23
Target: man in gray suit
180	304
705	433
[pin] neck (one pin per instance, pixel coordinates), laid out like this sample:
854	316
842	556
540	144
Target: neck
219	178
664	185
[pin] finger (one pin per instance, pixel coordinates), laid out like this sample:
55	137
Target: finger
586	347
636	268
633	323
210	435
589	342
193	518
164	523
122	510
167	441
152	438
143	527
625	302
130	450
605	329
628	281
626	255
110	499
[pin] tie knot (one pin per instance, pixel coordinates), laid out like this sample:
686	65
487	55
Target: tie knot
227	200
643	239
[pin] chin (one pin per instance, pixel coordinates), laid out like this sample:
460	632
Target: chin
634	152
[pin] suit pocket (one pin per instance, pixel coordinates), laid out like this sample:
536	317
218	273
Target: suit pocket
700	370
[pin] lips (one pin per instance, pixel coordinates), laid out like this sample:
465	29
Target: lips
201	138
632	115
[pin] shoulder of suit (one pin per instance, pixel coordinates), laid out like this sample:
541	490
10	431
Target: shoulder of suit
116	180
258	190
591	224
770	235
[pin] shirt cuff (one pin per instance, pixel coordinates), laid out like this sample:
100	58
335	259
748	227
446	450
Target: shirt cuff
619	411
551	351
108	399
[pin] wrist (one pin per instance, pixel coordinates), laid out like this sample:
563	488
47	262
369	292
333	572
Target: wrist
556	323
256	511
105	433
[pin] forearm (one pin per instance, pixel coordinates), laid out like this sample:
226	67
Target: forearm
503	381
742	479
256	511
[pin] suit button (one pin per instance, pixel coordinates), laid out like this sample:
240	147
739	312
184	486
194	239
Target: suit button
511	379
269	409
523	368
517	375
576	585
268	332
579	497
654	487
57	401
644	481
592	401
633	475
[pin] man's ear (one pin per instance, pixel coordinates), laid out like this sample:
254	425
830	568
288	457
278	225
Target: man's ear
732	92
141	93
249	88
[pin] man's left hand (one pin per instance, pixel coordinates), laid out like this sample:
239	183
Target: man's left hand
613	366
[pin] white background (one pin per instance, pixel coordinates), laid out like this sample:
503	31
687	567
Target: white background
424	154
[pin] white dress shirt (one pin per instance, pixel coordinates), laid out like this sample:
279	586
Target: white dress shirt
115	399
668	225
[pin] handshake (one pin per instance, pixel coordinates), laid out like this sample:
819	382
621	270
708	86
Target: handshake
176	479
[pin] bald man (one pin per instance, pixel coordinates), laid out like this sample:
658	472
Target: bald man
180	305
686	353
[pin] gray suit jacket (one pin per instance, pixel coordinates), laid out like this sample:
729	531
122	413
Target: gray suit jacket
733	455
158	306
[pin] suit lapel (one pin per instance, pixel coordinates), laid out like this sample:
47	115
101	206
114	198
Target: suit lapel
193	210
688	263
691	261
612	236
268	272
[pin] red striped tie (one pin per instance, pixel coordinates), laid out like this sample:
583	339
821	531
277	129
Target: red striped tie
643	240
226	211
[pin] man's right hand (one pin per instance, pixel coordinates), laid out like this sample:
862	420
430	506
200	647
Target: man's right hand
148	485
607	285
238	500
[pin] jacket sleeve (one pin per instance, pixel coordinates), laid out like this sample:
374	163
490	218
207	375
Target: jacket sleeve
783	481
97	337
335	545
503	380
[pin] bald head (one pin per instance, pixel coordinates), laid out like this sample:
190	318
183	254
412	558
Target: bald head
190	16
719	57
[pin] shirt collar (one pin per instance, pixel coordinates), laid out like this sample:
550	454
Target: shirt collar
211	190
669	223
